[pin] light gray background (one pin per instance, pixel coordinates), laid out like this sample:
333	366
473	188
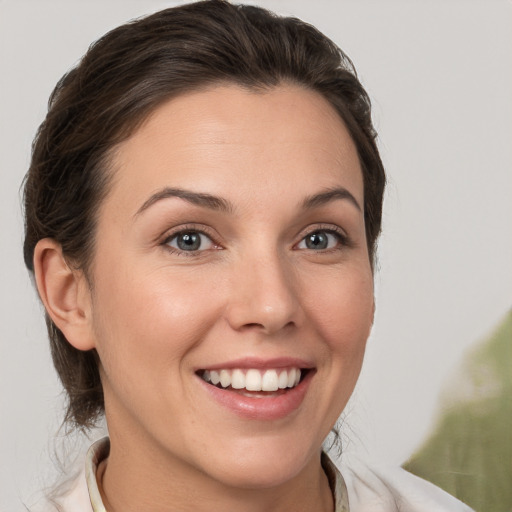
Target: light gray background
440	76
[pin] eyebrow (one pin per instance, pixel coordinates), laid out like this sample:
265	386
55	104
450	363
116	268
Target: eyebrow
219	204
197	198
328	196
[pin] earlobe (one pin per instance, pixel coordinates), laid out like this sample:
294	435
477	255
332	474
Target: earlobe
64	293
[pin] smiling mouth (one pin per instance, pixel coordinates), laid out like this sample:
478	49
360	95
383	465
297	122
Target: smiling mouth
255	382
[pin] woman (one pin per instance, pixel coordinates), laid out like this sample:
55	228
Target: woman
202	210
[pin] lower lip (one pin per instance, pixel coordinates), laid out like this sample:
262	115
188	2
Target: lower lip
261	408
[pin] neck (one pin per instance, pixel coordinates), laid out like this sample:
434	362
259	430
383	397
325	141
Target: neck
134	478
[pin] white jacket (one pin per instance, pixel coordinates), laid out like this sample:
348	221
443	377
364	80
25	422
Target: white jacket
357	488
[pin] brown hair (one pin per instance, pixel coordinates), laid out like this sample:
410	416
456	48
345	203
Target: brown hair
122	78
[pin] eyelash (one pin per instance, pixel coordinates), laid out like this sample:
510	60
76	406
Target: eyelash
342	238
183	230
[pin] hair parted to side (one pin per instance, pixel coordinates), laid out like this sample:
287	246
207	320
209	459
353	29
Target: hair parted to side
122	78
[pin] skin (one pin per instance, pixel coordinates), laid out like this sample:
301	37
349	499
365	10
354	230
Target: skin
156	314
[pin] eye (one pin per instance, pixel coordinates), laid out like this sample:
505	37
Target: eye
320	240
190	241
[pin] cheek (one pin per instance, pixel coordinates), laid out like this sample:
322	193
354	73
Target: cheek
343	312
150	318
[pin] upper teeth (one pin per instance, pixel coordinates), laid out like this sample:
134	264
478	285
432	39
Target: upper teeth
254	380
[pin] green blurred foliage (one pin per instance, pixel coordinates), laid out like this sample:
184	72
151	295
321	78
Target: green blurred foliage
469	453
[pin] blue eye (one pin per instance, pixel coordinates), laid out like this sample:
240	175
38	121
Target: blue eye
319	241
190	241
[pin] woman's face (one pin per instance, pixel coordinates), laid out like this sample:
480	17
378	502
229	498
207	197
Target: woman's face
232	245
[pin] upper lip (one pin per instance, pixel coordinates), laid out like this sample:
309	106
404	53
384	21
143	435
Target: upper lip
260	363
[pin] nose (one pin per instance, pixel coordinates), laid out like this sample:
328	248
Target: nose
263	295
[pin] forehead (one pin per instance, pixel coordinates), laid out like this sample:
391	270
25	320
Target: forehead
213	139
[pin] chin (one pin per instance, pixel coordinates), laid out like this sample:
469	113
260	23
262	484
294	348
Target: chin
257	475
261	465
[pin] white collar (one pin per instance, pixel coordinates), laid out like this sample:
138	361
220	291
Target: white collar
100	450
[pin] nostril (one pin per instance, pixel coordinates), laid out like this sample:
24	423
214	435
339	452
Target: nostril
253	325
263	327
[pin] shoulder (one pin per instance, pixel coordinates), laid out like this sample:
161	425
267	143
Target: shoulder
77	499
392	489
74	498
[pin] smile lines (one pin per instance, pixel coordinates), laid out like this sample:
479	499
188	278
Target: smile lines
253	380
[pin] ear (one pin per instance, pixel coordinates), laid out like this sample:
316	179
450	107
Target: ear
65	294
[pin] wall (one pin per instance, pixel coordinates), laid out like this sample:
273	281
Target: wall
440	77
